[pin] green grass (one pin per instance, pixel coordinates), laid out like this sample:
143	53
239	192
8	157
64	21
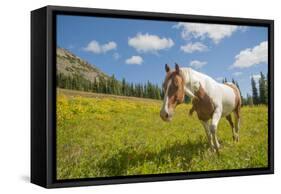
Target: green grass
103	135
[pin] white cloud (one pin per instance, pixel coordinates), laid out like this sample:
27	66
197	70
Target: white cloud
150	43
194	47
116	56
252	56
197	64
137	60
109	46
216	32
238	73
97	48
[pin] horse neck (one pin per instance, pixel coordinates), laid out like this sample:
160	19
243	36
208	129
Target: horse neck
196	76
194	79
190	76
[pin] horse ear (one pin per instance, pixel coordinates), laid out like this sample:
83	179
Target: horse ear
167	68
177	68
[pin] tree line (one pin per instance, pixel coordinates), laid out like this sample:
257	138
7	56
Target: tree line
110	85
259	93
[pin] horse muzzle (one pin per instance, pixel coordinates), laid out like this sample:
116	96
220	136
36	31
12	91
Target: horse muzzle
165	116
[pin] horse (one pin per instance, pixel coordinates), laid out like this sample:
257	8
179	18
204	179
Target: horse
210	100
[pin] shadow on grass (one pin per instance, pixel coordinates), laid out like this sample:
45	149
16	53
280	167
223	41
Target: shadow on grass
119	163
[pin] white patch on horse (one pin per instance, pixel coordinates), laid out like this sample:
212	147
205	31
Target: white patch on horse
165	107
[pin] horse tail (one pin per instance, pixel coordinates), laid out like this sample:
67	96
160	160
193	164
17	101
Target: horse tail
238	99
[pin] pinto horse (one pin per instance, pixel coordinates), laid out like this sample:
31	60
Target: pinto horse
211	100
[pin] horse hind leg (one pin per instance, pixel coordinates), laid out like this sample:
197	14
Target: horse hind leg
237	124
229	119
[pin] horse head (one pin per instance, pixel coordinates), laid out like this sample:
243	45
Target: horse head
173	88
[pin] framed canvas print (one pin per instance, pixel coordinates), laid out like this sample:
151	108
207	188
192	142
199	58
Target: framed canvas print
125	96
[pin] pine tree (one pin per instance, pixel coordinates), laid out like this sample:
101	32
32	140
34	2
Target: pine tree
266	90
225	80
131	89
254	91
249	100
244	101
123	87
157	92
262	89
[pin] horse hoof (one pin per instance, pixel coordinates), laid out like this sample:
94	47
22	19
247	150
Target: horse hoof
218	152
213	149
235	138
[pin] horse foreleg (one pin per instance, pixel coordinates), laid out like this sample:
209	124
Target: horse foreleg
208	133
213	127
191	111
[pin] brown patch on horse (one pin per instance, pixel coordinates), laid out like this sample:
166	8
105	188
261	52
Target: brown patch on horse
238	101
203	105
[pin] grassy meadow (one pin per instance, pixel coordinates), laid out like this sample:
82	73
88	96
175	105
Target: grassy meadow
105	135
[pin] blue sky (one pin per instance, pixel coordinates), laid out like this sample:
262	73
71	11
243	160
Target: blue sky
138	49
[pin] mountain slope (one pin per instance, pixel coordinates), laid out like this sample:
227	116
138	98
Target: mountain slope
76	74
69	64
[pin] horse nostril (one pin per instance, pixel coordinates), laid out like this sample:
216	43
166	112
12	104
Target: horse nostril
164	115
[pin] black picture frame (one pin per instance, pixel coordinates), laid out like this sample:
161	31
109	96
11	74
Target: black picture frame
43	95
